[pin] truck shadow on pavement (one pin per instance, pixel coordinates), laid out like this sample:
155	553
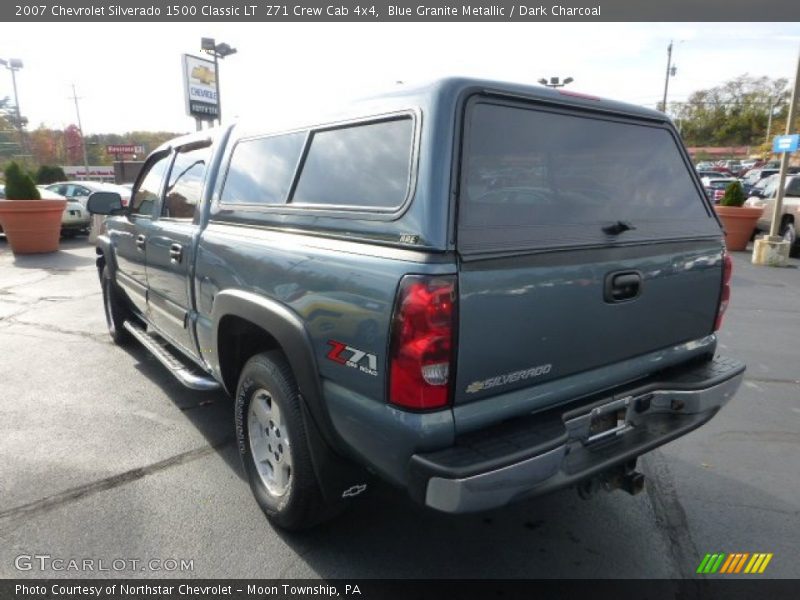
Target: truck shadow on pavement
211	413
557	535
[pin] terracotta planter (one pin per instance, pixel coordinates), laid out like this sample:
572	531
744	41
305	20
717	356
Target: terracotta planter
739	223
32	226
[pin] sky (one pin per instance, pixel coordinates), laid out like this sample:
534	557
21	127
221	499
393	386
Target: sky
128	76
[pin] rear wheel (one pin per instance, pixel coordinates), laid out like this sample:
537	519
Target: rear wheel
117	312
272	442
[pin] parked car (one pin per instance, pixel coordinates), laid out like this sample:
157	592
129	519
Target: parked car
753	176
711	174
790	214
80	190
76	219
715	187
489	347
730	166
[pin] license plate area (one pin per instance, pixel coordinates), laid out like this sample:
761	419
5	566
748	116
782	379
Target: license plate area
606	424
601	423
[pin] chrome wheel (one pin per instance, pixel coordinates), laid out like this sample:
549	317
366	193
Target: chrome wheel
269	442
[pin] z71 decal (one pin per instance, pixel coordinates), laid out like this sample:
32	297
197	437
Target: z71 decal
353	357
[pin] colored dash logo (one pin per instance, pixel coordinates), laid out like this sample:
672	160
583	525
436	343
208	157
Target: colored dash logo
735	563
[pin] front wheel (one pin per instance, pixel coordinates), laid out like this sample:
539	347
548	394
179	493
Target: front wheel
117	312
272	442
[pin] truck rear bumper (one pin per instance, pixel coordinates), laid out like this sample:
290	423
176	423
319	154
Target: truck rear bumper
545	451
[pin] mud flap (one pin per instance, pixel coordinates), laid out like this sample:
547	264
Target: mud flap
341	480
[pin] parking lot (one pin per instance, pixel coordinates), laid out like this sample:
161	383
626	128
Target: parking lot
104	456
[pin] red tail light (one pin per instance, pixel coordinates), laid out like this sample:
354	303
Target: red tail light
421	350
725	294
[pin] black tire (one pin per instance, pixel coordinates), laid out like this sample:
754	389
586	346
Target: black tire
267	378
789	233
117	311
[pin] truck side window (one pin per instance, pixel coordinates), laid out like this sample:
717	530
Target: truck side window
261	169
145	198
185	183
359	165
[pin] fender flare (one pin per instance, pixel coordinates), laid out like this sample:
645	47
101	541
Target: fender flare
289	331
105	255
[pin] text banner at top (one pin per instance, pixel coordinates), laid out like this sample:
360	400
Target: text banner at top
397	11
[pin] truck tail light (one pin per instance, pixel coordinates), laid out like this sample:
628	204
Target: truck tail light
421	348
725	293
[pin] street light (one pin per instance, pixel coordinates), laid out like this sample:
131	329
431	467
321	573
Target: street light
555	83
14	65
221	50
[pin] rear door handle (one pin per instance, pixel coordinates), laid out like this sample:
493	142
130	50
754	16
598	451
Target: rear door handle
140	241
622	286
176	253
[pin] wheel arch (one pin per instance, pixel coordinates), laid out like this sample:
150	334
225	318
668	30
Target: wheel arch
265	324
277	327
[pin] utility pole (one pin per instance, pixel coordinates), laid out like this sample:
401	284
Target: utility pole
778	214
666	79
83	139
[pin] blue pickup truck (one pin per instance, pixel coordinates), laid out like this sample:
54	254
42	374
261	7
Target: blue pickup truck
445	287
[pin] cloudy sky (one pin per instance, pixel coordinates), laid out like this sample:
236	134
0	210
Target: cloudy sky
129	75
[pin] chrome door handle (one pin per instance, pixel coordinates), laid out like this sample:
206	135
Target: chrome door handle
176	253
140	240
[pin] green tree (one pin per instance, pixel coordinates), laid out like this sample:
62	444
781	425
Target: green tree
734	113
19	185
734	195
47	174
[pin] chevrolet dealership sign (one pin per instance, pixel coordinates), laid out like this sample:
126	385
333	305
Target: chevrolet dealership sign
200	87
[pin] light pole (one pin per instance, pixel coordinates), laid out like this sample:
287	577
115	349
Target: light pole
554	82
777	215
221	50
14	65
671	70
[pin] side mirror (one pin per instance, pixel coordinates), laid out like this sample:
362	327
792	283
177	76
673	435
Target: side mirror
104	203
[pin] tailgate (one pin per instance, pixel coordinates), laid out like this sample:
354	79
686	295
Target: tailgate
527	320
585	240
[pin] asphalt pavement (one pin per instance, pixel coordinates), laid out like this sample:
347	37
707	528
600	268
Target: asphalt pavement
105	457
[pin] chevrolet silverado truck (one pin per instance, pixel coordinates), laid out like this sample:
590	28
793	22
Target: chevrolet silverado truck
475	291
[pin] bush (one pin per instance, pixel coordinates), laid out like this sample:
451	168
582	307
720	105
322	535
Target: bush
19	185
734	195
47	174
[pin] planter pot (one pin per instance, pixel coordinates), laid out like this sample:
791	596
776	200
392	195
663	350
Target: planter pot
32	226
739	223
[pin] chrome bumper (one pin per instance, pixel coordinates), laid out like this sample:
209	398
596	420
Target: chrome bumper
654	414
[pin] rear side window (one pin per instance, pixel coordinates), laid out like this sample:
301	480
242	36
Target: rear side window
365	165
261	170
534	178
